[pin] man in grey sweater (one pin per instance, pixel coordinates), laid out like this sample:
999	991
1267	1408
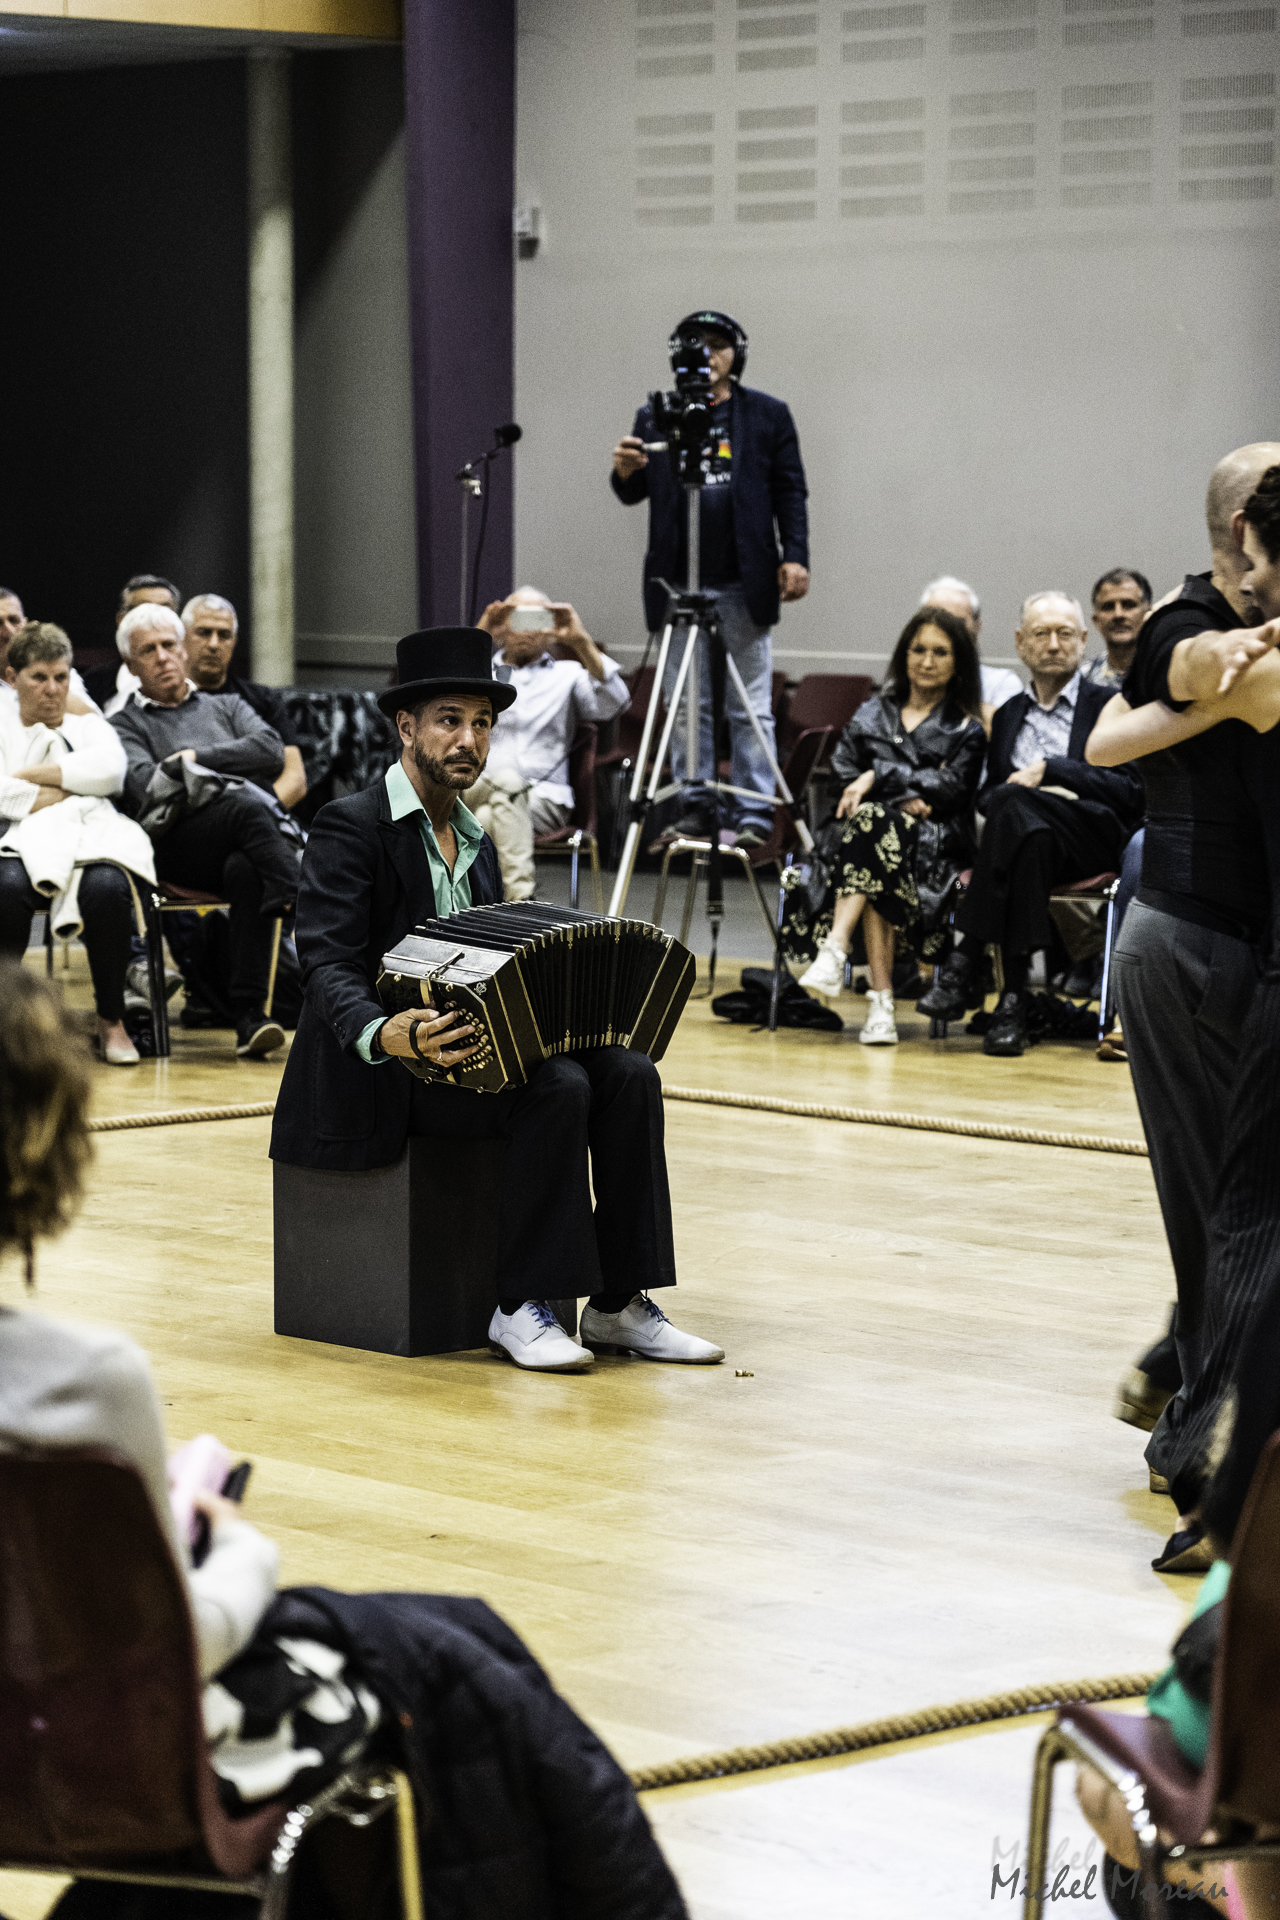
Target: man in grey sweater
230	846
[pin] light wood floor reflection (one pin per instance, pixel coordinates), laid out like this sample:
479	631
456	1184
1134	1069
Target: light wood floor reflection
919	1494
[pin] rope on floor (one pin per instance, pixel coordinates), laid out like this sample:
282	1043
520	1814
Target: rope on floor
923	1122
181	1117
882	1733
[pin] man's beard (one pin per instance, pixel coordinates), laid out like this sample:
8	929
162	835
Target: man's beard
446	773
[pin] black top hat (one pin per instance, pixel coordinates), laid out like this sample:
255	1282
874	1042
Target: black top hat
444	660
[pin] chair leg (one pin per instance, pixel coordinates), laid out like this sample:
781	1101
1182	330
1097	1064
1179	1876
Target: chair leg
155	975
753	876
1105	992
407	1839
275	962
596	882
690	895
575	852
1051	1749
660	898
48	943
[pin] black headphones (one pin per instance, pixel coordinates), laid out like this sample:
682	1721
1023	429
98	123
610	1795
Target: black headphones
708	321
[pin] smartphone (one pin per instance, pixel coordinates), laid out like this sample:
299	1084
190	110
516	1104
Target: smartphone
531	620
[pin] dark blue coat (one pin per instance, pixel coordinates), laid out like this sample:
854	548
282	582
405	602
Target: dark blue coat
770	514
366	883
1118	788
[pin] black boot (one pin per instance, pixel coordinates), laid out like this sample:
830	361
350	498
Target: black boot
1006	1037
956	989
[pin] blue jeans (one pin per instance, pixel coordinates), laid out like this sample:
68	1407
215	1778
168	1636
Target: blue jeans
752	652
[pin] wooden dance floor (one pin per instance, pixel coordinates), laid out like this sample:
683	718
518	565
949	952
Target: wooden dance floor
916	1494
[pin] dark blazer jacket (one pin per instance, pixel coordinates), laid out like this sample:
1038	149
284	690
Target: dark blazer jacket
1117	788
770	511
366	883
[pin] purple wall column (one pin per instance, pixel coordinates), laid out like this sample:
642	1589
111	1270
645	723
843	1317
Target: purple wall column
460	123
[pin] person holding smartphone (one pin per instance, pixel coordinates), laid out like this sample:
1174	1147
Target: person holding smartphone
524	790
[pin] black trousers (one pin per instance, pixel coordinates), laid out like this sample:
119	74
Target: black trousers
106	907
233	847
605	1104
1031	843
1184	994
1242	1284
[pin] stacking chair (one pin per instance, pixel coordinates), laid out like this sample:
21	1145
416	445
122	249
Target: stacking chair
164	898
1102	886
827	700
1237	1792
582	827
797	772
103	1768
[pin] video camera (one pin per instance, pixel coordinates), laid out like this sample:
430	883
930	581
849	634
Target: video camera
683	418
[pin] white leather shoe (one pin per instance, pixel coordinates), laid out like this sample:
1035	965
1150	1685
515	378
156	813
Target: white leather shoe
826	975
534	1338
644	1329
879	1030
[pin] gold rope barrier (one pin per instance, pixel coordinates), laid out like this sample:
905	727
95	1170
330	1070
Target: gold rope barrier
923	1122
182	1116
883	1733
714	1097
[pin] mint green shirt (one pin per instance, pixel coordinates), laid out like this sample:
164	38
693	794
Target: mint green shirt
1189	1718
452	890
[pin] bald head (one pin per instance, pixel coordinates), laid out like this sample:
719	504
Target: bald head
1232	481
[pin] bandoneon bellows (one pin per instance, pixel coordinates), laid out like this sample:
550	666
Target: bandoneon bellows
535	980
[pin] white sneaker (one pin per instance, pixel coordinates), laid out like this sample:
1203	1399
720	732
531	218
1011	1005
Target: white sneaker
534	1338
826	975
644	1329
879	1030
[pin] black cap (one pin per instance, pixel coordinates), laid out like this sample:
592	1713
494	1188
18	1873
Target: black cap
442	660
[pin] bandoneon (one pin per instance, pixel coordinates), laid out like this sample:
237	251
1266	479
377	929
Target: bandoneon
534	980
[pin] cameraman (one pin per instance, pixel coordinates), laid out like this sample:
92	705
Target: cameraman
754	551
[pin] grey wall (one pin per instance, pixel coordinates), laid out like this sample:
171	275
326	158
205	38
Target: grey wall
356	567
1012	263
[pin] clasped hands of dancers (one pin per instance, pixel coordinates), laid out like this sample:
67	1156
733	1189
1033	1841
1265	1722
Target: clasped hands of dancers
377	864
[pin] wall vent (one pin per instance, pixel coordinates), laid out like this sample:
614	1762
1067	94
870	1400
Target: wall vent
1258	186
1231	86
862	113
1121	160
762	210
688	66
998	200
1108	33
757	119
885	206
895	173
1108	99
775	59
892	140
863	52
881	19
1197	26
985	106
1112	127
1005	166
1111	193
1229	120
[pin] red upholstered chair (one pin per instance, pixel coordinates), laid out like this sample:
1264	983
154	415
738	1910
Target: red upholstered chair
1237	1792
823	700
581	829
103	1768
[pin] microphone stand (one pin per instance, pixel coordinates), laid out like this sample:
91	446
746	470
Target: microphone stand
473	479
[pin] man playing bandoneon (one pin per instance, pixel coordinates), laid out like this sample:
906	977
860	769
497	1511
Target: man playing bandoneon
380	862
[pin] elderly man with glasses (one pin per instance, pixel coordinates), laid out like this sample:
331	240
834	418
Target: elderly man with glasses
1050	819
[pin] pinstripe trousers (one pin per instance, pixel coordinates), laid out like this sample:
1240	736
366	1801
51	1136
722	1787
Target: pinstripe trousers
1243	1278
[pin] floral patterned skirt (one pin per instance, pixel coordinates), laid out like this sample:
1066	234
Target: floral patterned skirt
875	857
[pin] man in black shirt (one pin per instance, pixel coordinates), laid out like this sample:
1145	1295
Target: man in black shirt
1184	963
754	554
212	630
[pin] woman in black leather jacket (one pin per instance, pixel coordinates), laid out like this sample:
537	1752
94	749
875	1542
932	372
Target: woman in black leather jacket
912	756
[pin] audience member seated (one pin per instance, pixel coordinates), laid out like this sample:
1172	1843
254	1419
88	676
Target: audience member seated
213	835
12	620
913	757
1121	602
56	771
212	629
111	686
1051	819
300	1685
958	598
524	789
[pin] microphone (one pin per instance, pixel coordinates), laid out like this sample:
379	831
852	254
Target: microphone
508	435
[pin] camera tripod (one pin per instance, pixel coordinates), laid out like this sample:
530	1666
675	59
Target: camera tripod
691	613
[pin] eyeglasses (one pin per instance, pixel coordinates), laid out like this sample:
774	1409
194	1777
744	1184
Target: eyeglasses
1054	633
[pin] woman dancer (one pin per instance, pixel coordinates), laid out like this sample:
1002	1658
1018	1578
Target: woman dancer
917	747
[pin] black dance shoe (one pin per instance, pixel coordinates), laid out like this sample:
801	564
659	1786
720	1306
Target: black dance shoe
1006	1037
956	989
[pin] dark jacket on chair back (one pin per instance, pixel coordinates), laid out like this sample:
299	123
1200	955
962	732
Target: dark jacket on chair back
768	486
366	883
1117	788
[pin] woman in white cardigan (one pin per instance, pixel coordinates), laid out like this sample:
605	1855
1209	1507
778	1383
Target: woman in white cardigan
57	773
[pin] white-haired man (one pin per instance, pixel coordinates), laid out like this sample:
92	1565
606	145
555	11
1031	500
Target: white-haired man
1049	819
957	596
231	844
524	790
212	628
